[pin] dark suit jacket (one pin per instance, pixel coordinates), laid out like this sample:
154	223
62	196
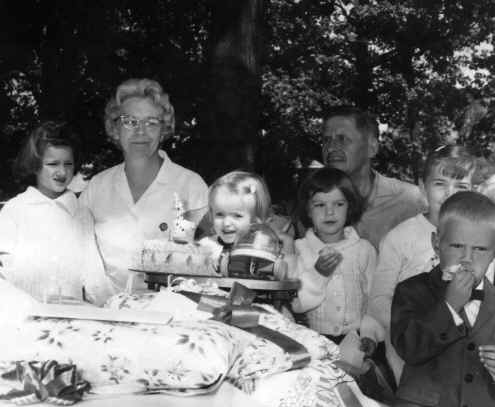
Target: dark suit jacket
442	362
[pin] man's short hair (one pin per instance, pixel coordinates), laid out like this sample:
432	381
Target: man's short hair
468	205
365	122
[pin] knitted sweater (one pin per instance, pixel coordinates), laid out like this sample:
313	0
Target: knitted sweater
335	304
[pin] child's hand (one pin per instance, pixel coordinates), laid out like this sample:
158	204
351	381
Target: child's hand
286	240
459	289
487	357
328	261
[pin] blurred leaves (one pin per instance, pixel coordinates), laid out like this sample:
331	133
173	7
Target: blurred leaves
424	67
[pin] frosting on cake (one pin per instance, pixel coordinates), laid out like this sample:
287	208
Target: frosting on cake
168	256
449	271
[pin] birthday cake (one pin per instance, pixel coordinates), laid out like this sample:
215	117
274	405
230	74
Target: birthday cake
177	252
177	258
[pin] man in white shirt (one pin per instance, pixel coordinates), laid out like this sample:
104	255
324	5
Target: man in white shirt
443	322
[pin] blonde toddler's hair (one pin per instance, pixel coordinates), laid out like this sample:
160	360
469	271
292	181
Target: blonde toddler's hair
245	184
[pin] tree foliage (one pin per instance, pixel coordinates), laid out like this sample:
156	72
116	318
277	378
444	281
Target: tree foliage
425	68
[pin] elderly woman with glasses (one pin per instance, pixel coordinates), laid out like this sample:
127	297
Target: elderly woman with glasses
134	201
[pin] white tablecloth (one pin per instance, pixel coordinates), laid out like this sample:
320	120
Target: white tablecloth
226	396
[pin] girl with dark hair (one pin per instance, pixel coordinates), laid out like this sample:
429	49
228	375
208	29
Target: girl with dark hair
333	263
46	236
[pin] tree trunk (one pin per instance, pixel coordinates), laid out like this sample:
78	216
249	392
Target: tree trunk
232	108
363	82
58	57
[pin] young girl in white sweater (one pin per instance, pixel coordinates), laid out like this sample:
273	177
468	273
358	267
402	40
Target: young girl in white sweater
334	264
46	237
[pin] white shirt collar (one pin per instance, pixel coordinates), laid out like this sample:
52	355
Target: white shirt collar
67	200
350	238
164	174
480	285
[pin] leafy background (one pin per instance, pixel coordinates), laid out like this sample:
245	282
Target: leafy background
251	79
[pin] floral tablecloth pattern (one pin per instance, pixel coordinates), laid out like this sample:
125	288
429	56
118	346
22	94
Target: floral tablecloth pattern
312	386
175	357
183	357
258	357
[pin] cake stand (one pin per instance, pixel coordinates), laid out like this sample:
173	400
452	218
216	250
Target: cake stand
269	291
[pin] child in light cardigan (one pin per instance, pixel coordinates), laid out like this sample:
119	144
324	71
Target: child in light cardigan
334	264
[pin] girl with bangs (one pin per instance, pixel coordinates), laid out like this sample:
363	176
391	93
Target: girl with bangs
334	264
47	242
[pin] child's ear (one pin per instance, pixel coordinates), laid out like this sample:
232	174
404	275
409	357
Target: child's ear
435	243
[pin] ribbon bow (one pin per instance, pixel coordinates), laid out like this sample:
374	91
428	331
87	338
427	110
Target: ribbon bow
45	382
238	310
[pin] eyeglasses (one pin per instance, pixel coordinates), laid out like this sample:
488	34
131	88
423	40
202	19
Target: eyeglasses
132	123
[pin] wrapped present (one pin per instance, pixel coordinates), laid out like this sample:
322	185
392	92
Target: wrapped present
49	382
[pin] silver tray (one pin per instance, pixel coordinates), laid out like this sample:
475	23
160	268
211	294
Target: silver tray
158	277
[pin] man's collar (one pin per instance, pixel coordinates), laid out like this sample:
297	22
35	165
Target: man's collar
373	192
378	190
383	186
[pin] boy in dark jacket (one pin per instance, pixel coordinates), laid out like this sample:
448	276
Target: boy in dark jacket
443	322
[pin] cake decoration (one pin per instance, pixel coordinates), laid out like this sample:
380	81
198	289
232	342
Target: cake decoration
183	230
168	256
176	252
